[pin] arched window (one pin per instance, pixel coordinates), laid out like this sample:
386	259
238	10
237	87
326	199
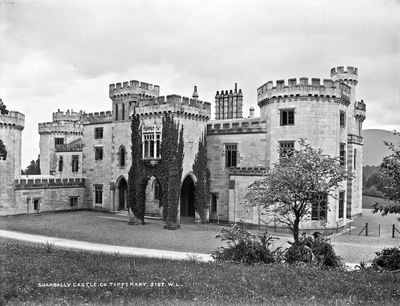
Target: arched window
122	156
156	188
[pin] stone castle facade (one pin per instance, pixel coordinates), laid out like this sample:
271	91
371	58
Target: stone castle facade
86	157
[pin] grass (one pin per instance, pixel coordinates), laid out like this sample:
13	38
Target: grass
25	268
114	230
368	201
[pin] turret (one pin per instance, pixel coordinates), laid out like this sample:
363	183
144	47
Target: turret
348	77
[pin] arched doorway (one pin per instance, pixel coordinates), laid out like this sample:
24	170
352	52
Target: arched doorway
122	194
187	197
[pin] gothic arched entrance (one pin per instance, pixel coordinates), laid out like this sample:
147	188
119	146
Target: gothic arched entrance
122	190
187	197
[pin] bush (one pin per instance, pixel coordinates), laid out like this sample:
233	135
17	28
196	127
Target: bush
388	259
316	249
244	247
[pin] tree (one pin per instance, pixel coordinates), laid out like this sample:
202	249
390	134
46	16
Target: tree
390	168
33	168
294	186
3	108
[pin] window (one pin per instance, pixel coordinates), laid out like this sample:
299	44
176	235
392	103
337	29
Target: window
286	148
58	141
98	194
214	202
98	133
75	163
156	191
231	155
122	156
319	207
341	205
151	145
355	159
36	204
123	112
73	201
287	117
116	112
342	119
342	154
98	153
60	163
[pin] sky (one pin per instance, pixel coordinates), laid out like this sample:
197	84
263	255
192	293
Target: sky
63	54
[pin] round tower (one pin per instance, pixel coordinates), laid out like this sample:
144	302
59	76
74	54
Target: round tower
65	128
11	126
349	77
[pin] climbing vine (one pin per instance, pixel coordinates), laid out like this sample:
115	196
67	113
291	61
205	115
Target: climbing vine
167	171
202	173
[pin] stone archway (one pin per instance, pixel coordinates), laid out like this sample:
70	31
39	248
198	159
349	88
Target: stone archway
187	198
122	191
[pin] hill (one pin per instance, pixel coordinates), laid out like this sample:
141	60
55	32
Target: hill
374	148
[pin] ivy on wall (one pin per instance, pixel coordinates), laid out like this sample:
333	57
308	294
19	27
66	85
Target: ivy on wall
167	171
202	173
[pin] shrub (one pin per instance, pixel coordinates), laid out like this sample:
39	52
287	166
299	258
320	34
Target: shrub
244	247
388	259
316	249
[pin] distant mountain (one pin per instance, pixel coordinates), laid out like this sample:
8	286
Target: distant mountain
374	148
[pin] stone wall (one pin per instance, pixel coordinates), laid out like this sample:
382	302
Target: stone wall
11	126
98	172
250	146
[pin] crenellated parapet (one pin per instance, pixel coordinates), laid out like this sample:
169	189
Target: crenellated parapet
61	127
329	90
100	117
49	183
68	116
133	88
181	106
247	171
70	147
236	126
360	110
349	76
13	119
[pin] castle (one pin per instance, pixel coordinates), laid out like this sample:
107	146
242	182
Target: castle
85	158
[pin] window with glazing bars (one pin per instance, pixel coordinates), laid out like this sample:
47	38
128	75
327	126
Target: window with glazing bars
287	116
231	155
319	207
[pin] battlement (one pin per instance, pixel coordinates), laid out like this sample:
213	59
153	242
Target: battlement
100	117
236	126
247	171
340	69
328	88
64	127
13	119
360	110
174	103
124	90
70	147
49	183
349	76
67	116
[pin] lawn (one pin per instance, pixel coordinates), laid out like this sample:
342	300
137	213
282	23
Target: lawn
368	202
29	272
111	229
